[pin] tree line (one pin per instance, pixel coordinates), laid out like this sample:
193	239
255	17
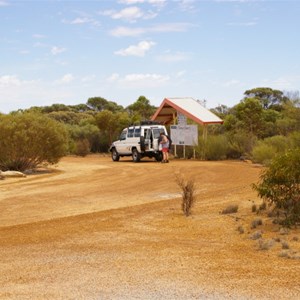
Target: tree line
265	122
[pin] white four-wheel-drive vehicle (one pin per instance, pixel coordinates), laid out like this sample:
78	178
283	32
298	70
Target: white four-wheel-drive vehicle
138	141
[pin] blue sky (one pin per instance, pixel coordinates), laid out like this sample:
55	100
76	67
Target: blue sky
68	51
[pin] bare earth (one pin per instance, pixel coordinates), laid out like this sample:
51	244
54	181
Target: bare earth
96	229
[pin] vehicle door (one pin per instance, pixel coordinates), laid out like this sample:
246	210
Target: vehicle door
121	145
148	139
156	134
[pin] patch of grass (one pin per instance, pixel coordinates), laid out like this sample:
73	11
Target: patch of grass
240	229
230	209
285	245
265	244
256	235
255	223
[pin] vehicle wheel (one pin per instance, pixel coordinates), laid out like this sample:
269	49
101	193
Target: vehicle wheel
115	155
159	156
136	156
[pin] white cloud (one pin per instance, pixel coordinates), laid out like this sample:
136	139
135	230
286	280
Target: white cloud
231	82
130	2
283	83
82	20
129	14
14	90
57	50
67	78
136	50
39	36
88	78
152	2
139	80
113	77
187	5
126	31
157	2
9	80
173	57
180	74
24	52
163	28
3	3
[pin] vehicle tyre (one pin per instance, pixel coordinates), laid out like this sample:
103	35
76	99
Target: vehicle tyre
136	156
115	155
159	156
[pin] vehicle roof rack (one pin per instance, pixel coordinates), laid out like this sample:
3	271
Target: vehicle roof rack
150	122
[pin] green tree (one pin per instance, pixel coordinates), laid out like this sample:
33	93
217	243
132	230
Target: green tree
111	124
141	107
268	97
250	114
100	104
28	140
280	185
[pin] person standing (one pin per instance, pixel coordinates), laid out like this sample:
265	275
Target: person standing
164	141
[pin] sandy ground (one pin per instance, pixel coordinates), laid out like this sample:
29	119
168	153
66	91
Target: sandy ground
96	229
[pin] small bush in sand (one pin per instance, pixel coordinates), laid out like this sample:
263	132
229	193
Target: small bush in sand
285	245
256	235
263	206
265	244
256	223
187	187
240	229
230	209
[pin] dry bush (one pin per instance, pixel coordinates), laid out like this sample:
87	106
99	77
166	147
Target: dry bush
187	187
265	244
230	209
255	223
285	245
240	229
256	235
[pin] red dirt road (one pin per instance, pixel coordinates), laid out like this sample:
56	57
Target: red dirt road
97	229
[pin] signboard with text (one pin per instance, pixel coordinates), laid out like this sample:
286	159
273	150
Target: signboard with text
184	135
181	119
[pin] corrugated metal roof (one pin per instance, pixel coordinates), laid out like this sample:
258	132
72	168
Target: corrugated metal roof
189	107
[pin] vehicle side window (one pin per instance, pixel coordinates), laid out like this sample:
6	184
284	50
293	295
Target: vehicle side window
137	132
130	132
156	133
123	135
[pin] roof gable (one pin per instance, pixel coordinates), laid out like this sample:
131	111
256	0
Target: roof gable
189	107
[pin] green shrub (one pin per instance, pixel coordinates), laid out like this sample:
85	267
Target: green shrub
263	153
240	144
216	147
30	139
82	147
265	150
294	139
280	185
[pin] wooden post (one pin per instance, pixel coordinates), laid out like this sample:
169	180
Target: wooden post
174	123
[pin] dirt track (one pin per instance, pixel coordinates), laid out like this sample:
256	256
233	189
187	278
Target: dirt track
97	229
